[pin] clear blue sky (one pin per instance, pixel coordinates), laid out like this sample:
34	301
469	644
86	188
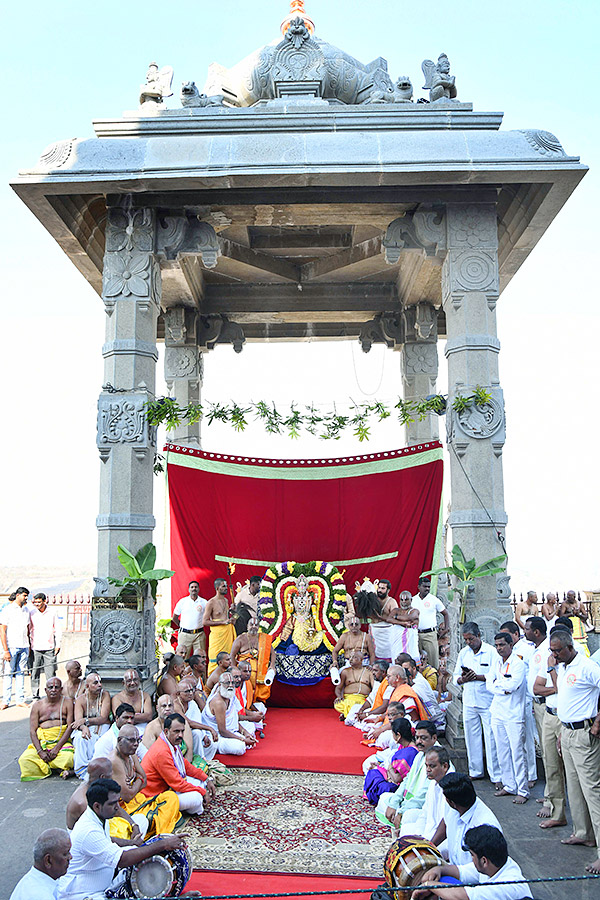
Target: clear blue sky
73	63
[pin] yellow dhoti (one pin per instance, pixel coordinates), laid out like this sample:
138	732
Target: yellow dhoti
161	811
221	637
33	768
344	705
580	635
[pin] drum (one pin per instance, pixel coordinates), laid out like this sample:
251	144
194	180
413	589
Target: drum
409	857
163	875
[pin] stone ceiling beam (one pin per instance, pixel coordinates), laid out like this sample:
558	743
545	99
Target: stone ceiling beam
272	265
344	260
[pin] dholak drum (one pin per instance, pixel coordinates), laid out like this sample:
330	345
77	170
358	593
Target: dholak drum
163	875
409	857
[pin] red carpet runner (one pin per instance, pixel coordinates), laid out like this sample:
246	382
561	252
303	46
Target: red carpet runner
305	740
211	883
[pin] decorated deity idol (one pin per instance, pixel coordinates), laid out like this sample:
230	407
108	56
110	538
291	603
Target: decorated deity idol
302	608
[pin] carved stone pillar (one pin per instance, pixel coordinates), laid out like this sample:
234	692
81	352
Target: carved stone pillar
419	360
184	368
476	435
126	443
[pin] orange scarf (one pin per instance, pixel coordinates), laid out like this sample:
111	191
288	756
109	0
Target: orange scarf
402	691
380	692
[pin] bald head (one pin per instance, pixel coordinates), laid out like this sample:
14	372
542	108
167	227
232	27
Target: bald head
164	706
93	683
128	732
101	767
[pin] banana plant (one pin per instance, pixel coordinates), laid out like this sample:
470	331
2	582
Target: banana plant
464	572
141	573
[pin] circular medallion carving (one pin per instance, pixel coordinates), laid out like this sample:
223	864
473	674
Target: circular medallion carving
481	421
117	633
475	270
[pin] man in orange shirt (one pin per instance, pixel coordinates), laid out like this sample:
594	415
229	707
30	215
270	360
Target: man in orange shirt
166	767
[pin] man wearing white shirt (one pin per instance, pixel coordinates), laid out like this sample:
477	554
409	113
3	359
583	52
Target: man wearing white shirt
14	635
578	682
51	855
489	865
428	607
94	857
187	617
46	635
553	812
424	822
472	666
463	810
506	682
524	648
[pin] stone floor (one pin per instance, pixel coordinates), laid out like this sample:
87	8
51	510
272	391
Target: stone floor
27	809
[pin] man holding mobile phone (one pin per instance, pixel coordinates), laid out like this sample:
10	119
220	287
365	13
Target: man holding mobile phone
474	661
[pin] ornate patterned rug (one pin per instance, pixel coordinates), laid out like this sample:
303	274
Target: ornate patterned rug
282	821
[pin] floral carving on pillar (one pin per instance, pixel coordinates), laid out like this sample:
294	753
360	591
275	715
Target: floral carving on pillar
472	259
130	268
126	274
420	359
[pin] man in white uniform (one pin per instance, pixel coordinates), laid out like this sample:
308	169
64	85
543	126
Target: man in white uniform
506	682
95	858
523	648
472	666
187	617
428	607
490	864
578	682
51	855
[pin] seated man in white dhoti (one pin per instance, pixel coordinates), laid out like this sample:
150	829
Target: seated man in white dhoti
424	822
204	737
92	711
221	714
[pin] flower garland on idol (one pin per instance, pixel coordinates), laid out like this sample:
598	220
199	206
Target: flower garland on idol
325	584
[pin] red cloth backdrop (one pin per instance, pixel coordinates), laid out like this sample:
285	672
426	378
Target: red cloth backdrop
376	515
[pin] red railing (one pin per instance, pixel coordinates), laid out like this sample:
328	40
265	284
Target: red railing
73	610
